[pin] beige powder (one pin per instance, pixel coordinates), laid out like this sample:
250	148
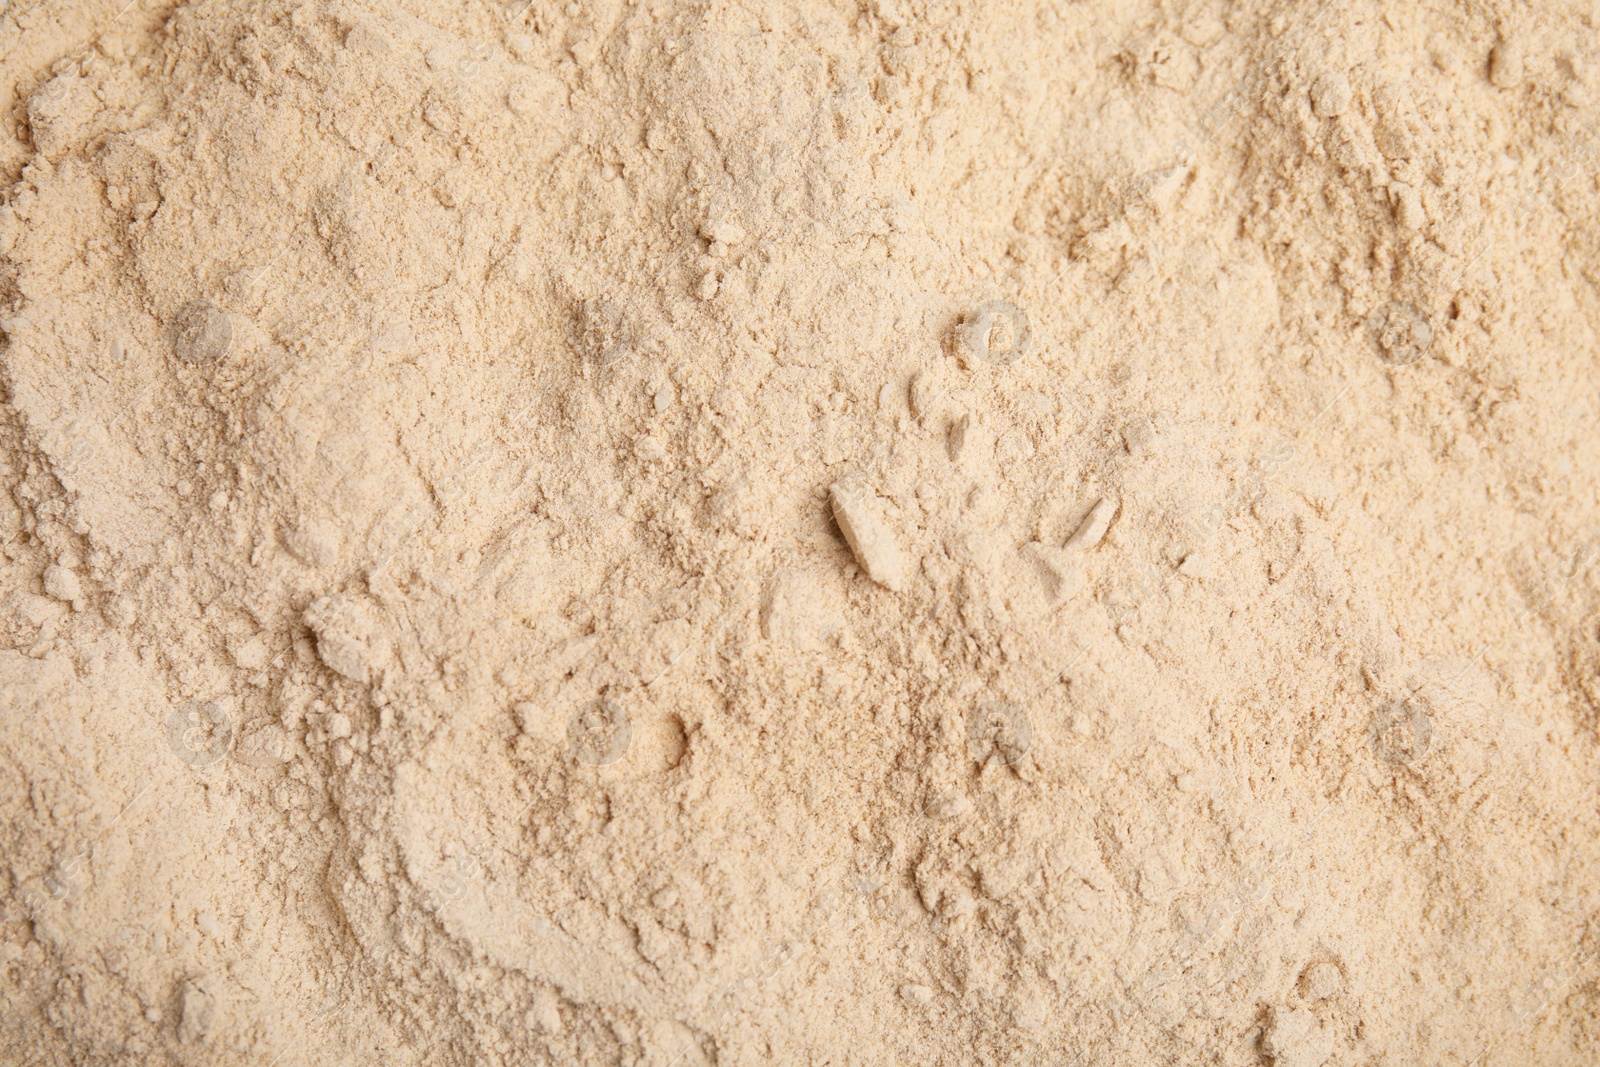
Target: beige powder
812	532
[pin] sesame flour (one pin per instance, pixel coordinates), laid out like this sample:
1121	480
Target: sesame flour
688	532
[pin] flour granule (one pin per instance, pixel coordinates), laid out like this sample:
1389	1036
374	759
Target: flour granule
687	532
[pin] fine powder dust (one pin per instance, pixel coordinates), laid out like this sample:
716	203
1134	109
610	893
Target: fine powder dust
799	531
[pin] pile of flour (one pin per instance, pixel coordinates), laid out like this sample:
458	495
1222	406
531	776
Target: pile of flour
901	531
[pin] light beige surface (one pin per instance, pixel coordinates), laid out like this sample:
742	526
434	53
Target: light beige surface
426	638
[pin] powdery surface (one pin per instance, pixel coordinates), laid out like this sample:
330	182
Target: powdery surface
427	637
